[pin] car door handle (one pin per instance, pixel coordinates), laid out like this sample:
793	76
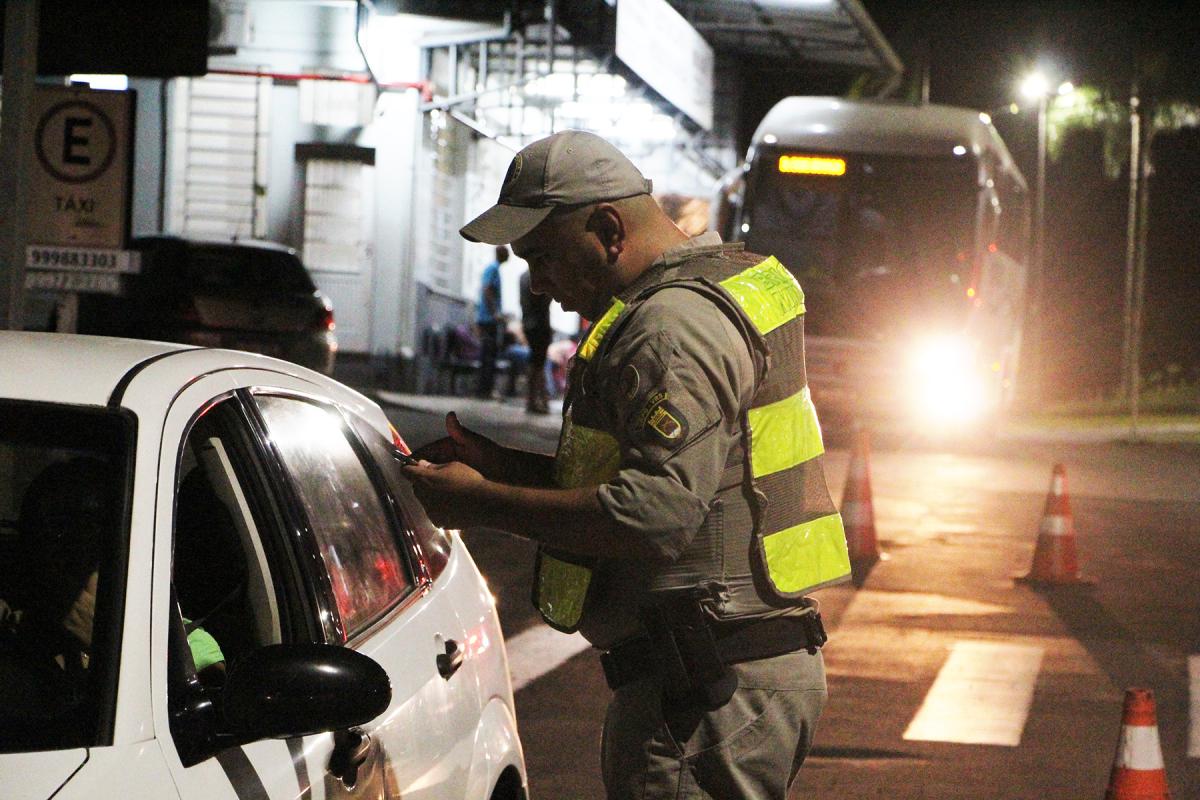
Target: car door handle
350	750
449	662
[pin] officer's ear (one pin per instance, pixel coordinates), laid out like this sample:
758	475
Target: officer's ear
606	224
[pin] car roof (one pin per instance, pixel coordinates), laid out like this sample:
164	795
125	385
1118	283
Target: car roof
66	368
89	370
257	244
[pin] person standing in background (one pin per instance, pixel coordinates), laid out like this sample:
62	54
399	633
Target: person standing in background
488	319
535	321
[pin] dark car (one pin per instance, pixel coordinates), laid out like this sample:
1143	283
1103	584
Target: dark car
246	295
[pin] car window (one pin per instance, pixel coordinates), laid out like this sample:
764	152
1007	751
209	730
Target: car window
228	594
63	497
231	271
434	543
352	528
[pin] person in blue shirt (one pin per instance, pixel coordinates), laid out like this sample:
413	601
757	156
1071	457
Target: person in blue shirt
489	319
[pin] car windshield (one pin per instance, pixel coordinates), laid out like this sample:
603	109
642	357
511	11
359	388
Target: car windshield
246	272
63	495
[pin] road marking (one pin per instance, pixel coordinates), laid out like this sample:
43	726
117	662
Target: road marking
981	695
1194	730
535	651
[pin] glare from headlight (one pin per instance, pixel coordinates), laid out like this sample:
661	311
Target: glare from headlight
947	387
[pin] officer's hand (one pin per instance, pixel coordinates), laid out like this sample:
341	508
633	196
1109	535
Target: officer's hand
463	445
449	492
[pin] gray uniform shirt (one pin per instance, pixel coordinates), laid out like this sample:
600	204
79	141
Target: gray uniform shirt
673	385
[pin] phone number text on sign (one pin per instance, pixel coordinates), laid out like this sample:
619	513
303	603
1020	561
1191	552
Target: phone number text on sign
82	259
97	282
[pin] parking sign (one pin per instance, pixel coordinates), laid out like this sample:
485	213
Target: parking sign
81	163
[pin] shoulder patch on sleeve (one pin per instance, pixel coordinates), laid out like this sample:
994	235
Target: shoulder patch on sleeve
661	420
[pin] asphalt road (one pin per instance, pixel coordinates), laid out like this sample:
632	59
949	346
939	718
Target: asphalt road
947	679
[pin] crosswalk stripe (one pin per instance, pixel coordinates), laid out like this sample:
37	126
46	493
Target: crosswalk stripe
535	651
981	695
1194	730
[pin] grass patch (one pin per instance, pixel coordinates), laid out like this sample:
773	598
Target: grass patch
1182	399
1159	427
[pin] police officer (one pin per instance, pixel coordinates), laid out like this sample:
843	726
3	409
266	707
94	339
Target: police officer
685	514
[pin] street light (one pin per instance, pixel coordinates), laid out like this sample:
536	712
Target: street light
1037	87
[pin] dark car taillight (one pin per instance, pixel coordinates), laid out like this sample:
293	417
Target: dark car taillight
323	321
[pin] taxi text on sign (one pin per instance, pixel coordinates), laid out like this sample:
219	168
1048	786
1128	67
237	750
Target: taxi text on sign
81	167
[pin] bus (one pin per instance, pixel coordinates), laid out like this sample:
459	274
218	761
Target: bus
907	227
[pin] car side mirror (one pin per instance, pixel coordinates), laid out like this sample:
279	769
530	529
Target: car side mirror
285	690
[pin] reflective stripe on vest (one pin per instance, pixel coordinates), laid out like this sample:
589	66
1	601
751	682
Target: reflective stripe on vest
596	334
784	434
560	588
808	555
586	457
768	293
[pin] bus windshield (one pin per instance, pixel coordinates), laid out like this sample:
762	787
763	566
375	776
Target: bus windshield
889	241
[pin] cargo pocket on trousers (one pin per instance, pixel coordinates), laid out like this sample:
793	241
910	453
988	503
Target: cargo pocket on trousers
736	727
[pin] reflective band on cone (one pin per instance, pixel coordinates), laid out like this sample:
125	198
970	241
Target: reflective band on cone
1138	772
1054	559
858	512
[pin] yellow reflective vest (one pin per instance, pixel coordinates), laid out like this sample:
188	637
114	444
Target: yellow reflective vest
776	498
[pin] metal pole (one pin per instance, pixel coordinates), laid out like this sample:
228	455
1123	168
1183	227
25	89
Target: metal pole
1038	268
16	145
1135	139
1139	284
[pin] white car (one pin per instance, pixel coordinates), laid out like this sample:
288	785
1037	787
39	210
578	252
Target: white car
215	583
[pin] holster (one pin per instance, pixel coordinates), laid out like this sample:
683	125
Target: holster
685	651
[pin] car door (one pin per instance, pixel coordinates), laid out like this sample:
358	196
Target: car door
223	560
373	593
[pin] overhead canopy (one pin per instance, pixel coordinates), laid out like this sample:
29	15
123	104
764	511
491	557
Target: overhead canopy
828	32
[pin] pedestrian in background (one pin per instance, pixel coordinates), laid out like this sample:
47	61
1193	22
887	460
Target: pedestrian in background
685	515
489	319
535	321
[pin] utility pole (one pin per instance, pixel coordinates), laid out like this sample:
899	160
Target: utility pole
1139	278
1038	267
16	137
1128	369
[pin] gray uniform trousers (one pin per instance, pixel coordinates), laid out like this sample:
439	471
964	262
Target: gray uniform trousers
751	747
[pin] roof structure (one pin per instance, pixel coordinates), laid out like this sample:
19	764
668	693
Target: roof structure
832	32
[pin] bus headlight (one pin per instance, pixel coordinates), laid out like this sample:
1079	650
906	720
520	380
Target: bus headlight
947	387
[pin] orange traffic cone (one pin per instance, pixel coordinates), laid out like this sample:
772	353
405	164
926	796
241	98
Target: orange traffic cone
1138	772
1054	560
858	512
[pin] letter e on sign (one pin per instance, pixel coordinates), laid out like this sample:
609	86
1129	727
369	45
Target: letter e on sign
76	141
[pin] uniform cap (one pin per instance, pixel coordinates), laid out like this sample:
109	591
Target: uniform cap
568	168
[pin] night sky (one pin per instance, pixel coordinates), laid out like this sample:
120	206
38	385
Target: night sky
976	51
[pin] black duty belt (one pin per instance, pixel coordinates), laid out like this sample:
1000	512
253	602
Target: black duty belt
767	638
